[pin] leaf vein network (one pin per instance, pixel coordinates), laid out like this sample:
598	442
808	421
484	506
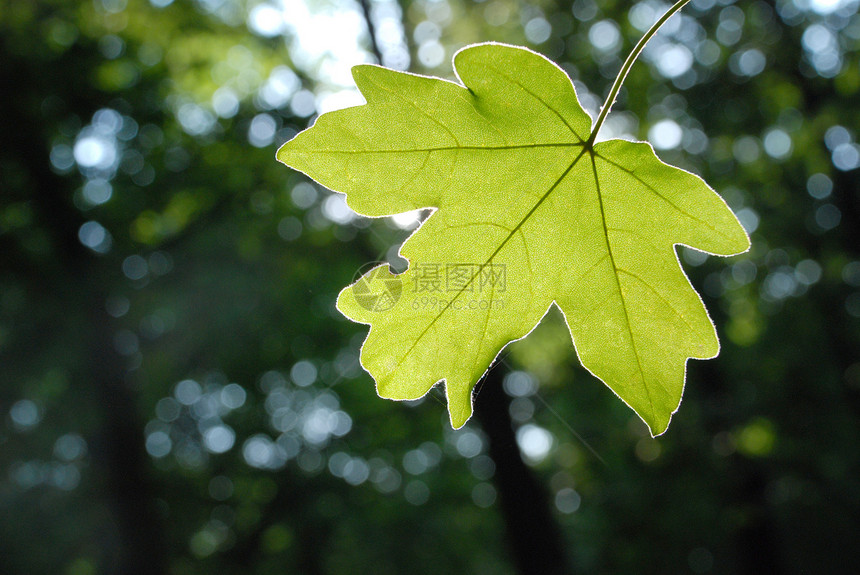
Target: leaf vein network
651	189
657	293
536	97
421	110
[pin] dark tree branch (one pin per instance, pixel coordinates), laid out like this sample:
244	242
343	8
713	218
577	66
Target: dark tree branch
371	30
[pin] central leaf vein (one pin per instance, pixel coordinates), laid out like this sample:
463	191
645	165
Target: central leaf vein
450	149
489	260
615	270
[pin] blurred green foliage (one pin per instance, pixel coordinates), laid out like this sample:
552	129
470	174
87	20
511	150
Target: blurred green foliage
179	395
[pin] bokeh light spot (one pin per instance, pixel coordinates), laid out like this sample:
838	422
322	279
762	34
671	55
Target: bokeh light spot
777	144
666	135
261	131
605	36
567	500
819	186
219	438
674	60
484	495
94	236
469	443
25	414
538	30
535	442
303	373
416	492
519	384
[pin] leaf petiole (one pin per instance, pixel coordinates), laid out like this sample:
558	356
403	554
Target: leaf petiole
625	69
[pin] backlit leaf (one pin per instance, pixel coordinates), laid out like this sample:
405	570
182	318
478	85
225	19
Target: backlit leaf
528	212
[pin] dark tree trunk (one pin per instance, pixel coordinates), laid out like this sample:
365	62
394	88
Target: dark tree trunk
534	537
135	545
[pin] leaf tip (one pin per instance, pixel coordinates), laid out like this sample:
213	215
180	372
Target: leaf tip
737	238
658	429
746	243
459	403
458	420
283	153
739	241
347	306
289	153
362	75
359	72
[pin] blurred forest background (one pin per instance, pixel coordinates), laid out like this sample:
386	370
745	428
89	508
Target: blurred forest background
178	394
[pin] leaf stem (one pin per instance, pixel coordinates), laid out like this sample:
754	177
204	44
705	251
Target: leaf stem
625	69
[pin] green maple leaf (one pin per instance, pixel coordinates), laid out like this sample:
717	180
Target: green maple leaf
529	212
